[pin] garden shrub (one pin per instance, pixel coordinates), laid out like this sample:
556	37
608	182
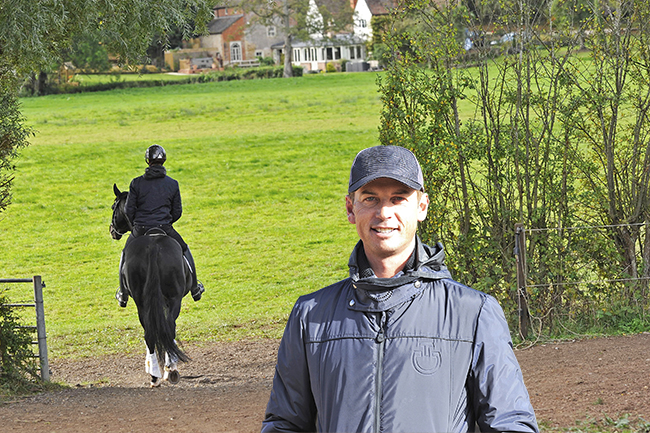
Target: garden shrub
18	370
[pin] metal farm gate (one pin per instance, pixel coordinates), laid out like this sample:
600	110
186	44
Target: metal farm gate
40	319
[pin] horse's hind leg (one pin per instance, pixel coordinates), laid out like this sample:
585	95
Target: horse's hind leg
152	367
171	369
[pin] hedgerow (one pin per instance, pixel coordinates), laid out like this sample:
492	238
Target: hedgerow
228	74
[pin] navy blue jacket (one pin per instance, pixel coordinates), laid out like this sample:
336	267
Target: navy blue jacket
154	199
420	353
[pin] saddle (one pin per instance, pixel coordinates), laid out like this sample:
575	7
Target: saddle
155	231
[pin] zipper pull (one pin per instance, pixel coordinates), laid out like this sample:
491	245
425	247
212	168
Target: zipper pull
381	336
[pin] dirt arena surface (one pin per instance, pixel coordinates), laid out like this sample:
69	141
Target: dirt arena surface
226	385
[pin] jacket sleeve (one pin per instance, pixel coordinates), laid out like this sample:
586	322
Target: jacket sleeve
131	201
497	389
291	407
176	205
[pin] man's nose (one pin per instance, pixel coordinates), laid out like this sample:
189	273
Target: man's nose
385	210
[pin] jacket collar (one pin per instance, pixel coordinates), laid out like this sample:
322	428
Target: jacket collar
155	172
380	294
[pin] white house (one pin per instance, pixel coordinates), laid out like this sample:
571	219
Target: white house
315	54
364	10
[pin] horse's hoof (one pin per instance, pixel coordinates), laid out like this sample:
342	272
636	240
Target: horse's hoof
172	376
156	383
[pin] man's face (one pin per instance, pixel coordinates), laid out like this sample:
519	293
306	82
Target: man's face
386	213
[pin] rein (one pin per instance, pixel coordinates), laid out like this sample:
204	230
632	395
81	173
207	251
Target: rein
118	207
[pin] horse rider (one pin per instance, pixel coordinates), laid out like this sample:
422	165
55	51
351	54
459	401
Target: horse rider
155	202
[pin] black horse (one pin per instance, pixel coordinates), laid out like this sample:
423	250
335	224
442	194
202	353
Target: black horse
155	274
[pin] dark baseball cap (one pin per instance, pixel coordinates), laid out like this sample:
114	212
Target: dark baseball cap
393	162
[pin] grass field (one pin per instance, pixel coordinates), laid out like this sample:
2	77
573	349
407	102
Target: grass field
263	169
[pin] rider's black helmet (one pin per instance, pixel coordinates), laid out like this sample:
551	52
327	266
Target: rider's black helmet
155	154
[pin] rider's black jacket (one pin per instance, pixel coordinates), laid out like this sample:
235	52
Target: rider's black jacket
154	199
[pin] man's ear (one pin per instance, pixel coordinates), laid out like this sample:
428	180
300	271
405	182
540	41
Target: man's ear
423	206
349	208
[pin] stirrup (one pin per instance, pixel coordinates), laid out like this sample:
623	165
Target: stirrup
199	291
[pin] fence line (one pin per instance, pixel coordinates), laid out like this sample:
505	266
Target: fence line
575	283
545	229
522	270
40	319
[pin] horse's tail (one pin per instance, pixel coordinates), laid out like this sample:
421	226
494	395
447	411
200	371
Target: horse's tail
159	326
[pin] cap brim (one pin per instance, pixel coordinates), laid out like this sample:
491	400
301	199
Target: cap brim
367	179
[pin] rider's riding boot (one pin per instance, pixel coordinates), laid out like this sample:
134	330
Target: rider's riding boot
122	298
197	287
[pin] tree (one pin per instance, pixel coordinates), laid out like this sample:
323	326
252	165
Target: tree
558	137
612	91
89	54
13	133
34	34
299	20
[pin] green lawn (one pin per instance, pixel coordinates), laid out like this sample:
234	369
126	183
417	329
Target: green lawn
263	168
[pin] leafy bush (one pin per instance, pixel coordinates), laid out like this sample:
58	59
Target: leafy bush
18	370
266	61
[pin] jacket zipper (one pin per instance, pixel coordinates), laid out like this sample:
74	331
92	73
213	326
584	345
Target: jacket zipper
380	339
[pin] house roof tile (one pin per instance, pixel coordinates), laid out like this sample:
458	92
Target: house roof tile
221	24
380	7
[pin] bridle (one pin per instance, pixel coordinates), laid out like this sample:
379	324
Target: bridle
115	208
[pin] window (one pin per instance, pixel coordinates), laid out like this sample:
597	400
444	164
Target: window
337	53
352	51
296	55
330	54
363	23
270	31
235	51
306	53
314	54
259	54
358	52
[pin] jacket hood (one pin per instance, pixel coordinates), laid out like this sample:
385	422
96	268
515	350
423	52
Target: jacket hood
379	294
154	172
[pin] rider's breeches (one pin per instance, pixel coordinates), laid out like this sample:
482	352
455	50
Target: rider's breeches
168	228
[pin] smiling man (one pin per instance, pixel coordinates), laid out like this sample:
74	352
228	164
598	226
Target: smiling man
398	346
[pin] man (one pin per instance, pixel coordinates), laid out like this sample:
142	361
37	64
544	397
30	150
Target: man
399	346
155	202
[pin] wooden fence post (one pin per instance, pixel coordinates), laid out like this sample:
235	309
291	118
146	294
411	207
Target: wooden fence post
522	302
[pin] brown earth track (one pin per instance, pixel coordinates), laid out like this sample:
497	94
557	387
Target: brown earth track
226	386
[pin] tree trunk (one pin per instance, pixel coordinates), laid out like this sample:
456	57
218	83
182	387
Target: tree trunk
288	49
42	82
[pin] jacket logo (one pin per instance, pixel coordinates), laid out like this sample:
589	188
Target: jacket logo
426	360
